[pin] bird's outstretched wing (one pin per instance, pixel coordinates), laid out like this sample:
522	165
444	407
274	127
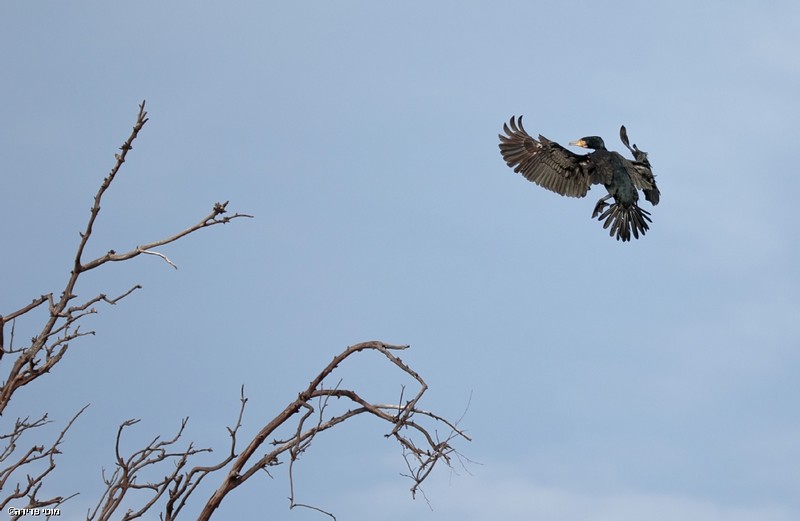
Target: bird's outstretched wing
545	162
640	171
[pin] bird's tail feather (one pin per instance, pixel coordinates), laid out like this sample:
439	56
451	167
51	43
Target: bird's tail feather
624	220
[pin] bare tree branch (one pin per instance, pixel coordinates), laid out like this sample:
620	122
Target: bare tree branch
36	302
404	429
124	478
210	220
305	417
35	480
27	363
184	488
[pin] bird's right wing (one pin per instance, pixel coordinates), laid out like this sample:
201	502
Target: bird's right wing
644	179
640	170
545	162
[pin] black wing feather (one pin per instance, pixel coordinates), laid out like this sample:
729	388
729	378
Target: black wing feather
545	162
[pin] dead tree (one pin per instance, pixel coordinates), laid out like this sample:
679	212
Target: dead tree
24	467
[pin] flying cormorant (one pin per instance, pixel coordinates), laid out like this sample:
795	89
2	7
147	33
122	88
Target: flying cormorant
557	169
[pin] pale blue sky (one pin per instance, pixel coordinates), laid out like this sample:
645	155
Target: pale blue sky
652	380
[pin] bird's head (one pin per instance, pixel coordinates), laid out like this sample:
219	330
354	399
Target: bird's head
592	142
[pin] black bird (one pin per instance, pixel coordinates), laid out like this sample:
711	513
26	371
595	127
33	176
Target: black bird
557	169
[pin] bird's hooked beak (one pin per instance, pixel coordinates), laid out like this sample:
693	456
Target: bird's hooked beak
578	143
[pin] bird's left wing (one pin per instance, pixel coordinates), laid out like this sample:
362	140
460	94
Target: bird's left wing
545	162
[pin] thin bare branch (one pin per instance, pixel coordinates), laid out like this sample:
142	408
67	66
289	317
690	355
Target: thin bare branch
182	489
141	119
36	303
311	507
157	254
213	218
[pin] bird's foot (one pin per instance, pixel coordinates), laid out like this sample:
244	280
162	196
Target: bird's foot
599	208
